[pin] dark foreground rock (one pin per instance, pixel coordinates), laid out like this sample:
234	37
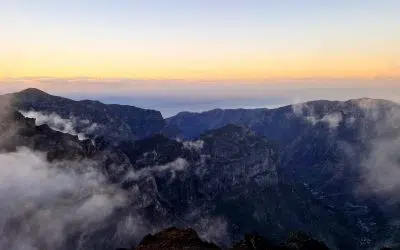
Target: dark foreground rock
175	238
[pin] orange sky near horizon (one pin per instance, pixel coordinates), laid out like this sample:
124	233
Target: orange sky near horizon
191	69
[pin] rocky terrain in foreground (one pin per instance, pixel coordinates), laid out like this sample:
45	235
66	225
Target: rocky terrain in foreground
188	239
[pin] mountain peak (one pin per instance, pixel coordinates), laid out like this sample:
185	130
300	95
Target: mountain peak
32	91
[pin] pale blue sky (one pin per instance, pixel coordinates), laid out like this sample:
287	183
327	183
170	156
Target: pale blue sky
271	38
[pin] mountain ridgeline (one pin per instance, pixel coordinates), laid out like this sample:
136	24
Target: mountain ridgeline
116	122
326	168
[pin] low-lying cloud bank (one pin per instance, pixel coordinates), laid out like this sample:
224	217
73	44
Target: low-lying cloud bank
44	204
62	204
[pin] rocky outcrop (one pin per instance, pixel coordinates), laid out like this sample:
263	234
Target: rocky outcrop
175	238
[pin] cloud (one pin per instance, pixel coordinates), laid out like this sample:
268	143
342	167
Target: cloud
193	145
177	165
382	168
47	205
213	229
57	123
43	204
307	112
381	163
333	119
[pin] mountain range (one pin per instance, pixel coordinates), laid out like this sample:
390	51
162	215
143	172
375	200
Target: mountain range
327	168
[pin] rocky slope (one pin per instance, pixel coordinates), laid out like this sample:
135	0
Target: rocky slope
338	150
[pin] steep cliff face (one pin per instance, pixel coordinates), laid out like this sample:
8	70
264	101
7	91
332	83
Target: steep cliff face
206	175
229	179
239	158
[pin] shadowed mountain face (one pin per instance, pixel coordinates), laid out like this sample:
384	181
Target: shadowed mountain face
322	143
116	122
340	151
310	167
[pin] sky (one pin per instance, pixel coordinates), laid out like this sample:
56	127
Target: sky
157	47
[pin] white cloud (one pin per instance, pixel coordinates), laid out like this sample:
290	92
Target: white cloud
382	167
333	119
48	203
193	145
57	123
307	112
177	165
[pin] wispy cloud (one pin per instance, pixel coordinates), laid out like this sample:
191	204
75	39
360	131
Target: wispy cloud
193	145
306	112
177	165
57	123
